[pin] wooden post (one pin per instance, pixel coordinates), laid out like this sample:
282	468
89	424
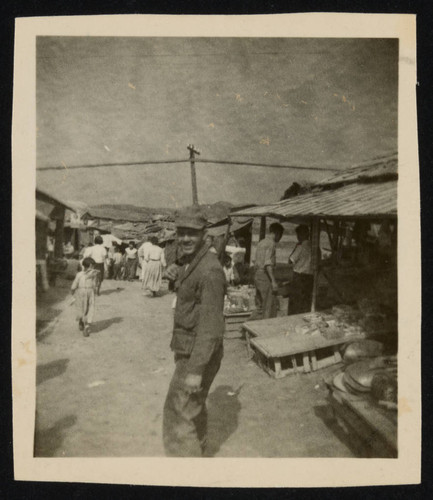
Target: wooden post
58	235
315	257
192	153
226	238
262	232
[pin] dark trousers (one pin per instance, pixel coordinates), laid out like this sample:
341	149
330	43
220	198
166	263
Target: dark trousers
266	300
100	268
301	292
185	415
131	269
117	268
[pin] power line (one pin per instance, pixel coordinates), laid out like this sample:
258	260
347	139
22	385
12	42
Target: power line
269	165
197	160
121	164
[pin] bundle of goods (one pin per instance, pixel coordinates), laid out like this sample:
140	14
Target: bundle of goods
375	377
374	320
357	351
241	299
330	326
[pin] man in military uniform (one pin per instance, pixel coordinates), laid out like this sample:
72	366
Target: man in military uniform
197	339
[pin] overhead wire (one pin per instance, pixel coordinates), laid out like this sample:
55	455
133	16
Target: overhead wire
186	160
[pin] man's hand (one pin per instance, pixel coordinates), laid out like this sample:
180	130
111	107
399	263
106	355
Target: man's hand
274	287
192	383
172	271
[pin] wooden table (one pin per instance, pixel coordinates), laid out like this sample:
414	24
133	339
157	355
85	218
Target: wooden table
281	350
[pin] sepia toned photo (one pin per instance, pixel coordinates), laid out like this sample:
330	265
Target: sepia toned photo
217	259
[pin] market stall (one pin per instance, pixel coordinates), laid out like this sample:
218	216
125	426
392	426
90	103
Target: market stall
354	298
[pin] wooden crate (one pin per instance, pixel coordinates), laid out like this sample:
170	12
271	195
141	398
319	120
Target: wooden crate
234	321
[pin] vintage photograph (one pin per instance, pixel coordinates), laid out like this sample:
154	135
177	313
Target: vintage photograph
235	297
217	247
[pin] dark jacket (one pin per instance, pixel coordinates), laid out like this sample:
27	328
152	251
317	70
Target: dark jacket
198	318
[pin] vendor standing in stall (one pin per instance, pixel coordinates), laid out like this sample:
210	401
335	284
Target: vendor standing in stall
264	278
301	288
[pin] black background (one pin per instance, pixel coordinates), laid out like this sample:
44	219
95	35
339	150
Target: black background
9	10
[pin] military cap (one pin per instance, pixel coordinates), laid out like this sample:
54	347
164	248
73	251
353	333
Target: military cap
191	217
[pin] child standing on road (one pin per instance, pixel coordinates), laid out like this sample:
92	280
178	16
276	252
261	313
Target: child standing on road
84	287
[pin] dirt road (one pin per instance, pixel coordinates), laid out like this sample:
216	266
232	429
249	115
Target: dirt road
103	395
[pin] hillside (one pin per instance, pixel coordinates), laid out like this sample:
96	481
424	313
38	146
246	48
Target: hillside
133	213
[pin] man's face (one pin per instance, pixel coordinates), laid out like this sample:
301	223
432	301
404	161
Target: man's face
278	236
302	236
189	240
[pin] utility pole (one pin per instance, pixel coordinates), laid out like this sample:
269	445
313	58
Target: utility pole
192	153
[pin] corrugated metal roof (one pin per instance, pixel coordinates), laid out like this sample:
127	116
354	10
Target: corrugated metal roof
49	198
367	171
352	200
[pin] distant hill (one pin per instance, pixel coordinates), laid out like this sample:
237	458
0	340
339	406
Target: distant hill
133	213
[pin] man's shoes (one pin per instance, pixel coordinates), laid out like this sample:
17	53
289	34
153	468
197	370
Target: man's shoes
86	331
80	325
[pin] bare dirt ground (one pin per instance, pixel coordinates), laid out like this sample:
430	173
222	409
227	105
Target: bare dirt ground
103	395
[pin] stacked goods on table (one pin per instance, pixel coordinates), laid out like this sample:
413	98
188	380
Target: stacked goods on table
375	377
239	300
363	396
344	321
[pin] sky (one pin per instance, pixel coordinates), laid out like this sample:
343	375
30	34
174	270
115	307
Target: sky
309	102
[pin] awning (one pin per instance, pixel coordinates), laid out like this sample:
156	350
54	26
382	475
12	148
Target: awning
52	200
353	201
220	228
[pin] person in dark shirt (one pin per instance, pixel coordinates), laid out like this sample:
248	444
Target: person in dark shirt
197	339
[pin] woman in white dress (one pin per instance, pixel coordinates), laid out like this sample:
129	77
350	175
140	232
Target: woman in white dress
155	263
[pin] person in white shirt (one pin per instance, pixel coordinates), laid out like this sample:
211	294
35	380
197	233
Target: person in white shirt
302	284
155	263
228	269
142	251
131	261
98	253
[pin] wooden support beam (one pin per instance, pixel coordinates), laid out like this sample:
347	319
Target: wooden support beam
262	232
315	259
226	238
58	235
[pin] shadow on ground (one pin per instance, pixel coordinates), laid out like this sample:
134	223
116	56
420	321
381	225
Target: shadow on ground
51	370
223	417
49	307
112	290
326	414
48	441
99	326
